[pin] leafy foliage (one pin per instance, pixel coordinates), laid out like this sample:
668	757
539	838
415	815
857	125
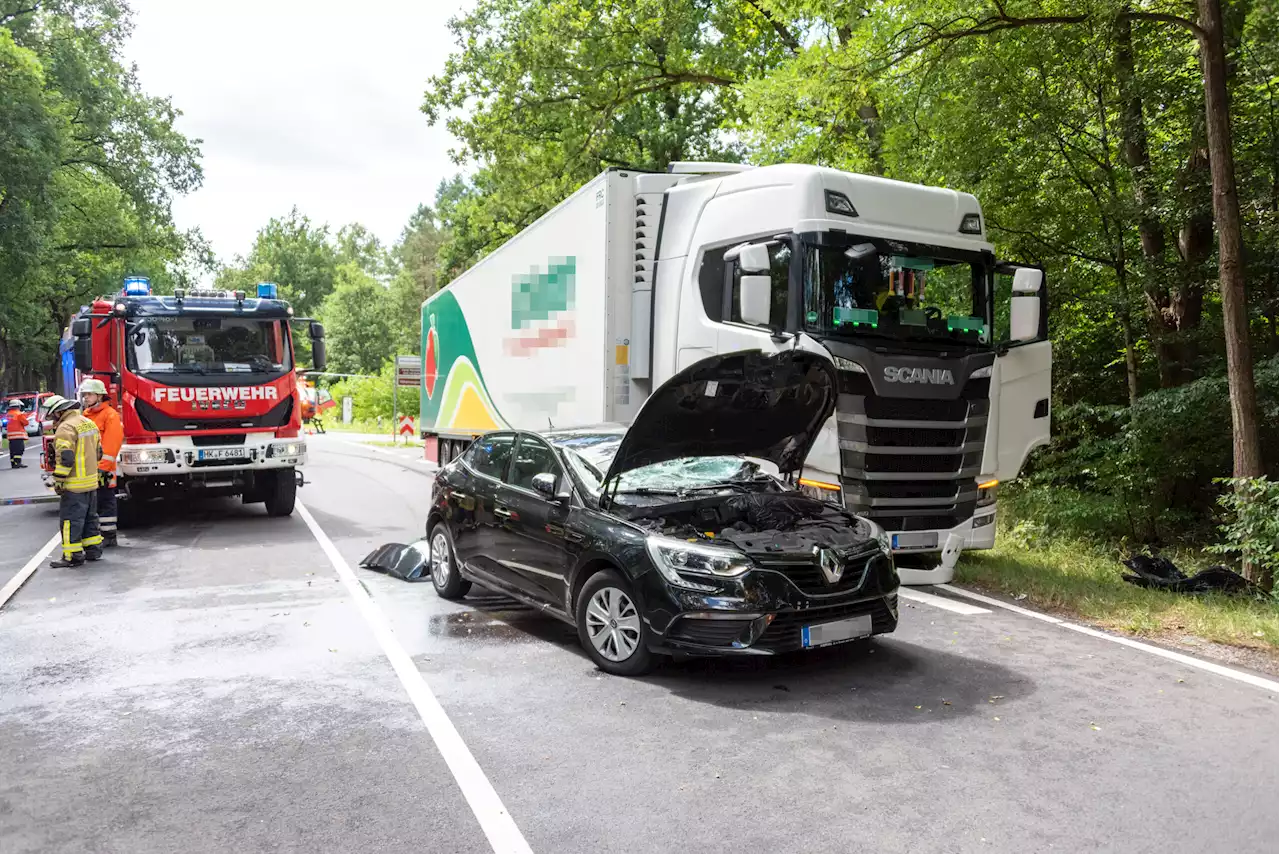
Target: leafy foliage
1250	531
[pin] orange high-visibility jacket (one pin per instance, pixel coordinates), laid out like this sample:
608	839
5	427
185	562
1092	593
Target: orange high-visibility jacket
17	428
112	432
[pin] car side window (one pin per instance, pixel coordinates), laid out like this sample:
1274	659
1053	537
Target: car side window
491	455
532	459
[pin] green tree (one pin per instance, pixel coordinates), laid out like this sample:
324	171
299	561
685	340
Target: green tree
294	253
357	318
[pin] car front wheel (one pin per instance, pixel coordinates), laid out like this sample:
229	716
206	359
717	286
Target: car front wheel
610	627
448	582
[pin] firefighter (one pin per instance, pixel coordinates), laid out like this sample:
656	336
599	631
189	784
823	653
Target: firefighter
75	478
16	433
93	401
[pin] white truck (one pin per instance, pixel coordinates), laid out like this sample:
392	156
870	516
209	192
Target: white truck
942	351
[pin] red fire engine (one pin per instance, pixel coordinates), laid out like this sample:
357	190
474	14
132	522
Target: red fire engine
207	388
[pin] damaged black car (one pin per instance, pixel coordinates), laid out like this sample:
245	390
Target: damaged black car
677	535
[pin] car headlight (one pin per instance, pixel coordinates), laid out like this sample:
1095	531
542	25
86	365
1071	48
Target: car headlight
880	534
287	449
145	456
677	558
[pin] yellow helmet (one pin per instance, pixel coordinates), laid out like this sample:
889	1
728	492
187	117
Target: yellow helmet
57	405
93	386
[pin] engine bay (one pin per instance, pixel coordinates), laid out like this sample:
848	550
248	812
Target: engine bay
761	523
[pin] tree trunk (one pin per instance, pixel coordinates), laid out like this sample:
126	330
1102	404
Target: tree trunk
1126	326
1226	210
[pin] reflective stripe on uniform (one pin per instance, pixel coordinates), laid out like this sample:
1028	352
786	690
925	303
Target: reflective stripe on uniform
109	457
69	548
90	542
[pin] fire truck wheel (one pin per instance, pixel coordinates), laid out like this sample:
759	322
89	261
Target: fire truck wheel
281	491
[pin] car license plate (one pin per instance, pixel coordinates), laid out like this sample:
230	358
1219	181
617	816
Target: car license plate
839	631
916	540
223	454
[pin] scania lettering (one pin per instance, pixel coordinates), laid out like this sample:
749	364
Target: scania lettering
942	351
207	389
935	376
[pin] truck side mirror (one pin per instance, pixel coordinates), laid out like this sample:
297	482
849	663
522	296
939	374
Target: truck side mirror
82	349
1024	304
316	330
754	294
81	327
318	360
751	257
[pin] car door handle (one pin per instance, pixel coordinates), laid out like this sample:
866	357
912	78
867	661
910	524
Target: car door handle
502	512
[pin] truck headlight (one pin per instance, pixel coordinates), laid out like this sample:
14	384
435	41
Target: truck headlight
821	490
987	493
146	456
287	449
676	558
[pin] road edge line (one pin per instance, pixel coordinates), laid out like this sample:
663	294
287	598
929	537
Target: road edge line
495	821
1181	658
941	602
15	583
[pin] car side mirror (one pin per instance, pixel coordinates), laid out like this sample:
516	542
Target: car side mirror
545	485
754	293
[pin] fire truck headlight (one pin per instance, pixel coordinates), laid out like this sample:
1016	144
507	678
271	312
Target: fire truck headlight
287	449
144	456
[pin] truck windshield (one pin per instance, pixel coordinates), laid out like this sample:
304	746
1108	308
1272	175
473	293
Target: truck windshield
208	345
902	291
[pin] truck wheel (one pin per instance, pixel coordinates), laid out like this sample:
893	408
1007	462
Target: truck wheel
281	493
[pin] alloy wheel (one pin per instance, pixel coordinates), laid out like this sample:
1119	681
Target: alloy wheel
440	568
613	624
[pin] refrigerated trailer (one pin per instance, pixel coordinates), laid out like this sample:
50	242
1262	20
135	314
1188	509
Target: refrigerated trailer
941	350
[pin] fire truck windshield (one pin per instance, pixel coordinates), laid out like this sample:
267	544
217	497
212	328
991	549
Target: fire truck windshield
208	345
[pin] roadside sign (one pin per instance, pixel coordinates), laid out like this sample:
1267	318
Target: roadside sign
406	425
408	371
346	409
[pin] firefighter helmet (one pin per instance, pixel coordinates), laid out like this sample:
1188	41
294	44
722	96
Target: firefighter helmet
58	404
16	404
93	386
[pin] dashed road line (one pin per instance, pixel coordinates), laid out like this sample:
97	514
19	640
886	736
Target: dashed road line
1189	661
6	592
498	825
941	602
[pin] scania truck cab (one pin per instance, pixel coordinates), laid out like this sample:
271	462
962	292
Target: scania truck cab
206	385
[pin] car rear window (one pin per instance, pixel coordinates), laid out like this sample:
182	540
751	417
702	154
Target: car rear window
490	455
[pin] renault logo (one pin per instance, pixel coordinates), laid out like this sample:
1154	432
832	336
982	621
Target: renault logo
832	568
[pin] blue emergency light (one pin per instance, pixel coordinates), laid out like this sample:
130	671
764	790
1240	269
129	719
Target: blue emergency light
266	290
137	286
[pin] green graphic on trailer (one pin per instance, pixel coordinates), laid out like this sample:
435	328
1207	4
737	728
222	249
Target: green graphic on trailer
537	296
454	396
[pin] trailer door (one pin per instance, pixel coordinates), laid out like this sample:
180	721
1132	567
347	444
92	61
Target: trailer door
1023	368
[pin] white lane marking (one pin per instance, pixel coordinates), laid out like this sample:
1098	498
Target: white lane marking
1189	661
6	592
498	826
941	602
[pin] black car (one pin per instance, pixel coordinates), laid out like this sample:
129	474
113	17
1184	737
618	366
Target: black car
672	536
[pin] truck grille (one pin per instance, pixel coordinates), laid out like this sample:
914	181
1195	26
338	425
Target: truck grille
898	467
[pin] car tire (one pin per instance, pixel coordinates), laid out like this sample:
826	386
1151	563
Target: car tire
445	577
281	493
610	627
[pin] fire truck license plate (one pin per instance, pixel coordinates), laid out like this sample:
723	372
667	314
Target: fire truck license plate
223	454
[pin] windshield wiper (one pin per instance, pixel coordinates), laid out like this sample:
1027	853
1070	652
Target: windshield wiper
644	490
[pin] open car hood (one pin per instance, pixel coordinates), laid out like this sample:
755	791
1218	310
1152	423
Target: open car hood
748	403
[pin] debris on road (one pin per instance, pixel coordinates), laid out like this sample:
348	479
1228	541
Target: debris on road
410	562
1159	573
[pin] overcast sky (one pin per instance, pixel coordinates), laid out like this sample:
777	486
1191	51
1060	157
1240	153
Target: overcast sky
299	102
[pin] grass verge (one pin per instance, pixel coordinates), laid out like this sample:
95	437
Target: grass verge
1071	579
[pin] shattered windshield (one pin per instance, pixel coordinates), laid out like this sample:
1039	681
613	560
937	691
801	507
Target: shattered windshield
208	345
589	456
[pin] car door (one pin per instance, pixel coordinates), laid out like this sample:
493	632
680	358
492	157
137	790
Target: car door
1023	372
538	548
478	540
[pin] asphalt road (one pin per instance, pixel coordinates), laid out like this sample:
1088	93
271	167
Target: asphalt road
215	685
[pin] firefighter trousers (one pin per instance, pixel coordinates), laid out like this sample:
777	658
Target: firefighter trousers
107	509
78	519
16	447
